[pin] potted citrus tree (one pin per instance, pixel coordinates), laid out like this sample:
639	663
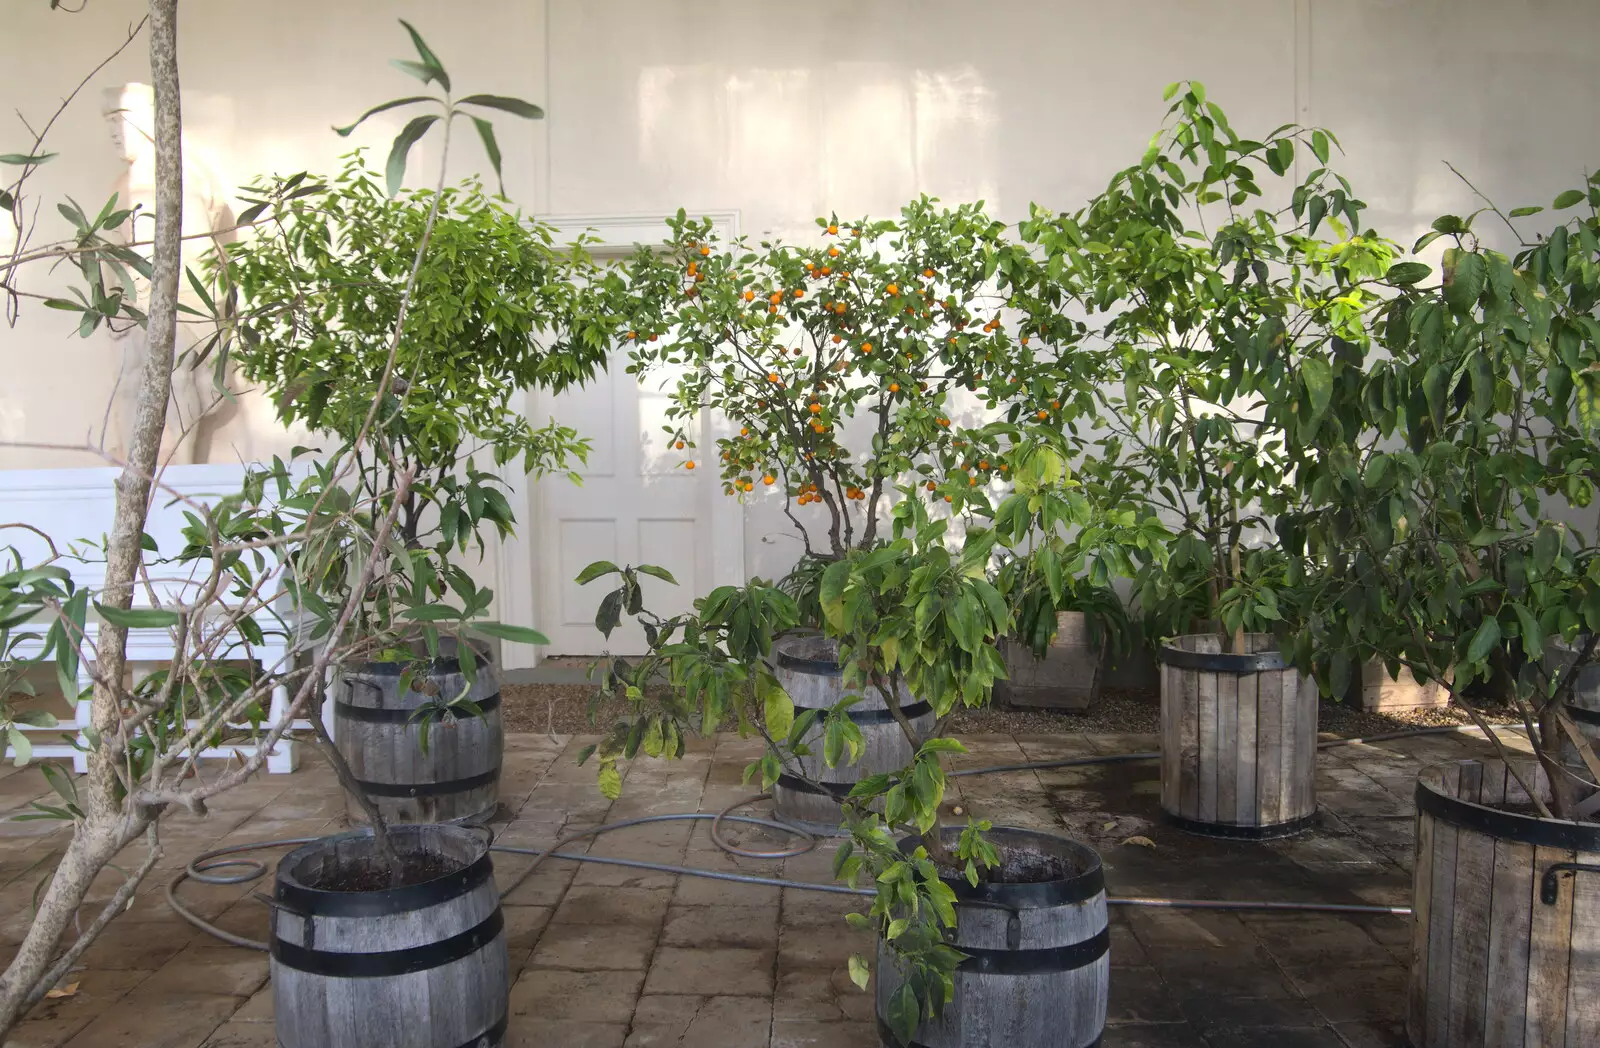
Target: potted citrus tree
1226	325
322	294
1450	550
872	365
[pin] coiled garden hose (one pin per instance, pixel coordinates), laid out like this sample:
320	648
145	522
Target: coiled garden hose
205	866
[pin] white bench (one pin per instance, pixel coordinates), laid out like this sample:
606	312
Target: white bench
73	506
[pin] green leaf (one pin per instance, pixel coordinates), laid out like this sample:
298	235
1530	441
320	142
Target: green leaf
36	718
506	631
429	59
860	973
21	747
23	159
491	147
1519	212
777	707
1464	277
514	106
595	570
656	572
1407	273
1566	200
393	103
904	1013
1319	146
1318	377
137	618
431	613
610	780
7	201
395	169
1484	640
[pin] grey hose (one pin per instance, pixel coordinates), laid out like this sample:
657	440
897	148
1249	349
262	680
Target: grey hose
202	867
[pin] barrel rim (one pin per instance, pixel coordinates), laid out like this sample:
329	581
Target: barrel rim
442	664
303	900
1222	662
1582	714
1066	891
802	664
887	1036
1498	823
396	714
1233	831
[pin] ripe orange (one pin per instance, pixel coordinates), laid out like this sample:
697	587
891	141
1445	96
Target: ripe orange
928	273
773	377
749	485
768	479
775	297
947	498
1055	405
866	347
749	296
816	409
689	464
1041	414
818	427
744	431
772	309
942	421
704	250
833	227
1024	340
632	335
932	485
855	232
833	252
893	289
679	445
983	463
894	387
972	481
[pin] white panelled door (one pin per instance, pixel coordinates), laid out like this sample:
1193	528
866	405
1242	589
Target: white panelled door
636	505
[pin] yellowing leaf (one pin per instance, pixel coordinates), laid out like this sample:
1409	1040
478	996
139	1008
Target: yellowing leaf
610	780
859	972
1143	842
69	990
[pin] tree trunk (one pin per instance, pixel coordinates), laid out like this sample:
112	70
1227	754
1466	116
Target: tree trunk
106	828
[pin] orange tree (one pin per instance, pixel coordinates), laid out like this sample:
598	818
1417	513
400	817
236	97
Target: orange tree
877	357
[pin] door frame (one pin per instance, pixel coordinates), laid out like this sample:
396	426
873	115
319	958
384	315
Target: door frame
517	571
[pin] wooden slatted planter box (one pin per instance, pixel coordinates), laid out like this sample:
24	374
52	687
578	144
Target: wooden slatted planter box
1038	967
1506	934
1238	739
1067	678
457	778
1381	693
807	667
423	965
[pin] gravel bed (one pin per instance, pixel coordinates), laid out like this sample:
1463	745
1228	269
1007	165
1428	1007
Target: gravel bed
564	709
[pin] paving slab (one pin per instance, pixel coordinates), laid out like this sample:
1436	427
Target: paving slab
609	957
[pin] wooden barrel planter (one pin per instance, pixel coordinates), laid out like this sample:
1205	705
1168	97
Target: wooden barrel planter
1038	966
1506	916
808	669
457	779
421	965
1238	739
1583	705
1067	678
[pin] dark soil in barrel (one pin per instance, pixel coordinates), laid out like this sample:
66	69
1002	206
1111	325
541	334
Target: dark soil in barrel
1022	866
371	874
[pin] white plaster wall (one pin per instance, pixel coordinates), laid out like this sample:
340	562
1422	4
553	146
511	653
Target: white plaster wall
785	111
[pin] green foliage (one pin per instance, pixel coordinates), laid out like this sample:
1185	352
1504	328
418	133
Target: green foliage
41	618
840	366
1219	330
1448	520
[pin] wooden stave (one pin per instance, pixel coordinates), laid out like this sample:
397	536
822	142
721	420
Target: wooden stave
1496	960
814	682
982	1010
388	754
1272	788
459	1002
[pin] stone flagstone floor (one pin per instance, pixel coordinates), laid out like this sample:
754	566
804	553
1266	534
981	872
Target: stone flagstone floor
608	957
